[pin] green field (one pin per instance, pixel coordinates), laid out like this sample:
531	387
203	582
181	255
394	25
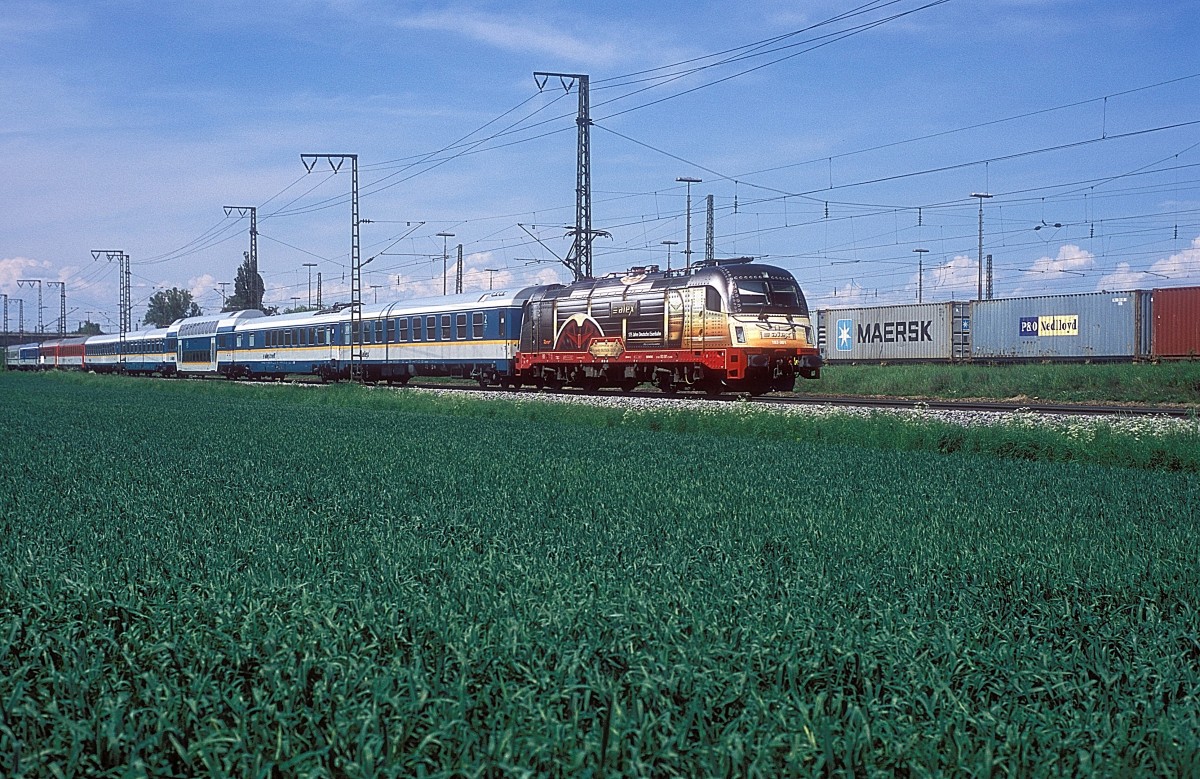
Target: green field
1145	383
215	579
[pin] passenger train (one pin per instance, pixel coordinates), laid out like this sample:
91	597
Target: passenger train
725	325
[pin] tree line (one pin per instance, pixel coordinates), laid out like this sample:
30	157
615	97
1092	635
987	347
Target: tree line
167	305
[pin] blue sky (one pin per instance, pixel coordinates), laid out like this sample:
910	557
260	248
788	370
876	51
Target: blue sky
833	152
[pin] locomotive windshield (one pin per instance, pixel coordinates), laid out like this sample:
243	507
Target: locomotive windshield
768	295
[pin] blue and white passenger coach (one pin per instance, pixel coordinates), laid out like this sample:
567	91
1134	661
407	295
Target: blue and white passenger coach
472	335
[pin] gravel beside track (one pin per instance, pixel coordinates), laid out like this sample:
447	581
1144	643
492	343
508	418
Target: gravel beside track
1139	422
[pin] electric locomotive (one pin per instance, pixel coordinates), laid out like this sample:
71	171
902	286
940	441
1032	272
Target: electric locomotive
722	325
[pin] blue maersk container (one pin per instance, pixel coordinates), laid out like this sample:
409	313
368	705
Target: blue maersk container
1092	326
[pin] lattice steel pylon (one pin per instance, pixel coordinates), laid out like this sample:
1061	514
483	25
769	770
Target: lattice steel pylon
335	164
30	282
252	211
710	249
458	274
62	305
123	278
580	258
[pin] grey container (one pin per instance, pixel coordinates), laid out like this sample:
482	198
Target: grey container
922	332
1092	326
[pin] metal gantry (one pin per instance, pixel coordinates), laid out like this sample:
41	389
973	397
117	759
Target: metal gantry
335	164
62	302
982	196
689	180
445	258
921	252
710	244
580	258
458	274
252	212
30	283
310	266
125	315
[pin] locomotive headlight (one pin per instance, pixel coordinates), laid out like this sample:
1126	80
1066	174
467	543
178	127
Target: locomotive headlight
739	334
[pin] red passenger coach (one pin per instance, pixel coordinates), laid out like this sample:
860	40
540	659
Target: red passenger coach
724	325
62	353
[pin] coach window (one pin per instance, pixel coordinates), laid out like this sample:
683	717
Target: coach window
431	328
445	327
460	326
417	333
402	329
378	331
477	324
391	331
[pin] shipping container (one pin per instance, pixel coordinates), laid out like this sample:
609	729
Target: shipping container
1177	323
1091	326
927	332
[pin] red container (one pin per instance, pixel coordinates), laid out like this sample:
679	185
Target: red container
1176	323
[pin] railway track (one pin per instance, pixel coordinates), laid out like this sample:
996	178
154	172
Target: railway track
858	401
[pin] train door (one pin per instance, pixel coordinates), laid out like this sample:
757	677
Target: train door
677	324
544	327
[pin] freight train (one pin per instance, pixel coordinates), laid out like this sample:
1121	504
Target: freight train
1159	324
724	325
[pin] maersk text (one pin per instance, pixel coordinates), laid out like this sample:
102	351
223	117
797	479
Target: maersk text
895	332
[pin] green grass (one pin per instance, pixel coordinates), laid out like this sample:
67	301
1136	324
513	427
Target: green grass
251	581
1168	382
1124	442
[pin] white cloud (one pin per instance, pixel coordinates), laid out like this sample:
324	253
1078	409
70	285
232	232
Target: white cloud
525	35
199	286
24	19
14	268
1070	260
956	279
1182	266
1070	257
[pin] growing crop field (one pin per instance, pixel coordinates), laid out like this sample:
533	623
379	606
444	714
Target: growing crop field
1167	382
242	582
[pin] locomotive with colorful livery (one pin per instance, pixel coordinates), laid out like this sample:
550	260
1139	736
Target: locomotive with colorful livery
724	325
